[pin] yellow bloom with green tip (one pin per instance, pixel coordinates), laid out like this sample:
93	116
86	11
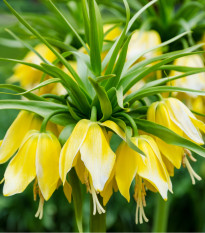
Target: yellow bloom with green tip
151	169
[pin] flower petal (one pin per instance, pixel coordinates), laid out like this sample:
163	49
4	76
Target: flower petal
15	135
113	126
153	169
67	189
126	168
72	146
21	169
47	163
182	120
97	156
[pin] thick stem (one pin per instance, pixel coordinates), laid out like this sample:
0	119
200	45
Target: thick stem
161	215
97	221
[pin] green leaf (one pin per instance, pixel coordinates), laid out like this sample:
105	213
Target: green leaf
160	89
77	94
69	26
43	40
42	84
42	108
119	65
133	72
155	67
105	104
169	79
86	20
95	49
104	77
22	91
114	51
169	136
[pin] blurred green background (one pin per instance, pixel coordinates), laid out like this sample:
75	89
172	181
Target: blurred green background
187	204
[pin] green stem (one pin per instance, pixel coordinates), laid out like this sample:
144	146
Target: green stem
132	123
45	121
93	116
161	215
97	221
159	97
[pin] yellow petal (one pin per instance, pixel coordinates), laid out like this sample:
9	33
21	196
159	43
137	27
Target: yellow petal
80	168
15	135
113	126
97	156
173	153
72	146
126	168
109	186
47	163
67	189
21	169
152	112
153	169
182	120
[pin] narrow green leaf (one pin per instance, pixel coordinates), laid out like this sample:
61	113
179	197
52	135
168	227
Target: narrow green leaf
86	20
77	94
95	51
169	136
169	79
105	77
43	40
70	27
119	65
160	89
42	108
42	84
21	91
105	104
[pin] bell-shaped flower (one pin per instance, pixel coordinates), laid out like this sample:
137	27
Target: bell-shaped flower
88	150
22	72
37	157
174	115
24	122
195	81
150	169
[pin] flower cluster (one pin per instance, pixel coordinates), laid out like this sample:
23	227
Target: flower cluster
75	109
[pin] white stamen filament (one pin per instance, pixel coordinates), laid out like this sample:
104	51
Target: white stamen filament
192	173
141	203
39	213
2	181
96	204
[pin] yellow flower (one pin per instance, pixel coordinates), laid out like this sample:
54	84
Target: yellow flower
88	150
24	122
142	41
28	76
111	34
37	157
195	81
174	115
151	169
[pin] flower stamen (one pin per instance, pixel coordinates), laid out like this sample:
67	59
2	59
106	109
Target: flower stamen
192	173
96	204
139	197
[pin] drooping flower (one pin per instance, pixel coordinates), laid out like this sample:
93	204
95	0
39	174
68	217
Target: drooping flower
141	41
173	114
195	81
24	122
149	171
22	72
37	158
88	150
